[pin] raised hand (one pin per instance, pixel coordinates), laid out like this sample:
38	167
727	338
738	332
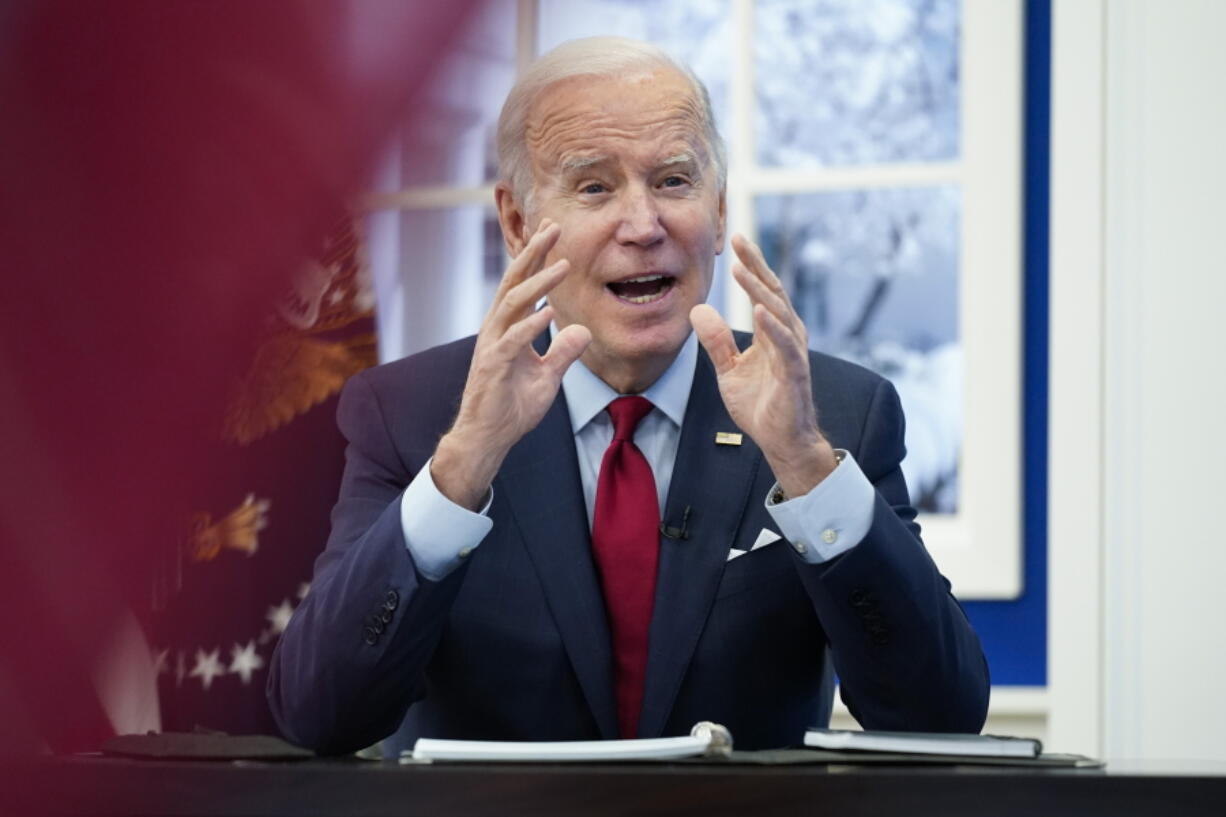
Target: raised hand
510	386
767	387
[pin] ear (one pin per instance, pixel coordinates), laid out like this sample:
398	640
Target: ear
723	221
512	219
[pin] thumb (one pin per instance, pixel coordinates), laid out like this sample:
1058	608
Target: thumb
715	336
566	348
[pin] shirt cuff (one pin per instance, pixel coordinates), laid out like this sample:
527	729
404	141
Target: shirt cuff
439	534
832	518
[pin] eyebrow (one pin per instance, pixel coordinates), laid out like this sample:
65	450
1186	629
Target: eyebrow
679	159
576	163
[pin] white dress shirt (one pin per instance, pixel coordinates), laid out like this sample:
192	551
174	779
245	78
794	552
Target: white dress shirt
829	520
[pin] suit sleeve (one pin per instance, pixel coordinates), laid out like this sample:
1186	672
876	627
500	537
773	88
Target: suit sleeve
905	653
353	656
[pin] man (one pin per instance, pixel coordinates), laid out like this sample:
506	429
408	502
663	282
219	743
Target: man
521	551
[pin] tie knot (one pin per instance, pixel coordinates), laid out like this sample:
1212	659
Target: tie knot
626	413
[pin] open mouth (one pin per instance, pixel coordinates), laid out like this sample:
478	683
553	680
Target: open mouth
642	290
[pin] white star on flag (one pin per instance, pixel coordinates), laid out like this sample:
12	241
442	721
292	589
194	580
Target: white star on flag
207	667
278	617
244	661
303	589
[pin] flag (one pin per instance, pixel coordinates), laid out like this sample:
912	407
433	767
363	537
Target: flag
243	560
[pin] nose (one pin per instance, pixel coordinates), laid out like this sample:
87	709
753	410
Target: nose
639	217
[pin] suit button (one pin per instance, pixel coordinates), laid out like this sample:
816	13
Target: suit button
858	598
391	600
829	536
386	618
880	638
370	636
800	547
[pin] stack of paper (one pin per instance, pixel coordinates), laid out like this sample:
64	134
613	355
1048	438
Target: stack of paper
705	739
924	743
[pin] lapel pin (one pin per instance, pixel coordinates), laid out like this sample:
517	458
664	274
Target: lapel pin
728	438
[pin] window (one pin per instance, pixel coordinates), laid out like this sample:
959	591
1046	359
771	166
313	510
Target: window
874	153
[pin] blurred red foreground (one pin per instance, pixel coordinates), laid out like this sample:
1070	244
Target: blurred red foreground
165	166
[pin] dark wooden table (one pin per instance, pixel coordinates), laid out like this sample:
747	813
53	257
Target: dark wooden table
102	786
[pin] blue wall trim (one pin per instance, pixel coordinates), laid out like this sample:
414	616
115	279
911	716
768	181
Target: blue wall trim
1014	633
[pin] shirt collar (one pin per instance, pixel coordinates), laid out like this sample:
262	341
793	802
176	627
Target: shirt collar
587	395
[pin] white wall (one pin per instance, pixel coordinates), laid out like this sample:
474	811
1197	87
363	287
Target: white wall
1138	312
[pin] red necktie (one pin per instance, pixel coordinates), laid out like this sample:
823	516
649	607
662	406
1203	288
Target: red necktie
626	541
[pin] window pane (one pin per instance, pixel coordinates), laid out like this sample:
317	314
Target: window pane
846	82
451	140
874	275
697	32
435	274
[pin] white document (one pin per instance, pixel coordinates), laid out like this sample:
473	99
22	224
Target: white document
924	743
705	739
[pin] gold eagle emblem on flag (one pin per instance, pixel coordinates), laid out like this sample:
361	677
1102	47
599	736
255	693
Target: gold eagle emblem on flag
307	356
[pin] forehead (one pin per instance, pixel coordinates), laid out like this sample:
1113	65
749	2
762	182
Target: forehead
589	116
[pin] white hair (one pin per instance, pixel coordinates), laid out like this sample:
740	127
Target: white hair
588	57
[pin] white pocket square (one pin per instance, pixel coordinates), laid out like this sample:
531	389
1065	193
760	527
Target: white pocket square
765	537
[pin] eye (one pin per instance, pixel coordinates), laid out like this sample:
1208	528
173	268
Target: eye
674	181
592	188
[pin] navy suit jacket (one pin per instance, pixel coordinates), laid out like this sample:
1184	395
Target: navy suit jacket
514	644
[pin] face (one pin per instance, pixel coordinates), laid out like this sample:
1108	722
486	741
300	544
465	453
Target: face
622	166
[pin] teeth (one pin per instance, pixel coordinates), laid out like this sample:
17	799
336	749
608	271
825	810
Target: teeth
644	299
642	279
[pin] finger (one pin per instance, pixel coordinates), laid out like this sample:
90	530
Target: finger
531	258
752	257
759	293
762	340
781	343
521	299
519	336
568	345
715	336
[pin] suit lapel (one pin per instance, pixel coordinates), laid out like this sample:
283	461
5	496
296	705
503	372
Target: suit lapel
540	479
713	481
